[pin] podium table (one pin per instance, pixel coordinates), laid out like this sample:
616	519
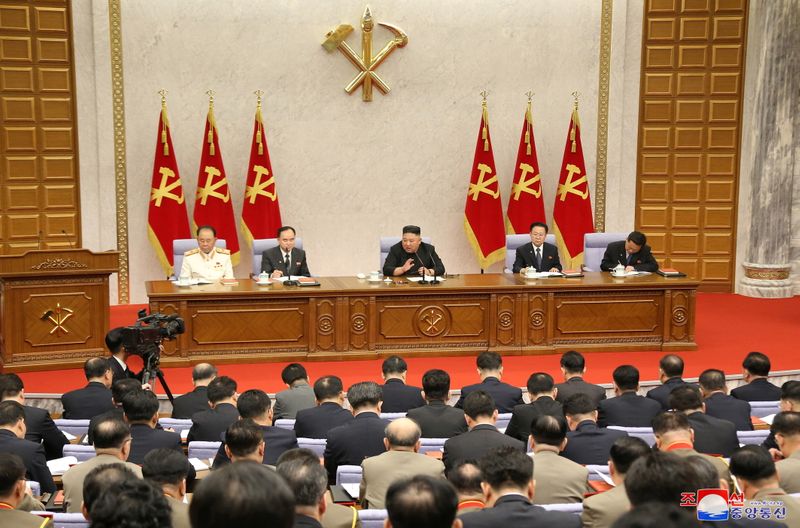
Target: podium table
54	307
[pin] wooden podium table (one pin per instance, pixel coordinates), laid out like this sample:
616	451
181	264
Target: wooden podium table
350	318
54	307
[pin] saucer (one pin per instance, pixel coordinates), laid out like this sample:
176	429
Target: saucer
264	283
370	279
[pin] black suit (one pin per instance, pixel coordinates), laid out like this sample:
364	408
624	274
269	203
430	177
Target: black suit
575	385
186	405
145	439
760	389
505	396
40	429
475	443
628	410
516	510
317	421
32	456
351	443
615	254
120	373
525	413
399	397
720	405
526	258
439	420
88	402
425	256
276	442
662	392
208	426
713	436
590	444
273	259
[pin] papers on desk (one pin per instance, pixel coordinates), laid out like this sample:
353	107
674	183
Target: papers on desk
191	282
542	274
606	478
768	419
184	435
352	489
428	278
59	466
629	273
198	464
68	436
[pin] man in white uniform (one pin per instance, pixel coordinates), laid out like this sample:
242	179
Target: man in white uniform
207	261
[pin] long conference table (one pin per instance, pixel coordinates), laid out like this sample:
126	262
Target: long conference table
351	318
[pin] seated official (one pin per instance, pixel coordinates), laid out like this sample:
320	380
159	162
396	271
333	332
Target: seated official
437	419
627	408
542	392
755	371
132	502
758	479
284	259
412	256
573	367
298	396
558	479
785	429
208	425
119	390
101	479
633	253
12	493
12	440
185	405
718	404
168	469
789	402
490	370
537	254
465	476
141	411
713	436
419	501
207	262
670	370
244	440
586	442
397	396
329	413
94	398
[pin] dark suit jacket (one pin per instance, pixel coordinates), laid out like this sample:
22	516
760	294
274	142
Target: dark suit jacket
145	439
425	256
516	510
662	392
615	254
576	385
208	426
88	402
276	442
505	396
590	444
186	405
272	259
713	436
525	413
351	443
41	429
399	397
304	521
119	373
475	443
439	420
726	407
760	389
318	421
32	456
628	410
526	257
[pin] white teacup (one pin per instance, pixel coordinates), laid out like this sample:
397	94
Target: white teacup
375	275
530	273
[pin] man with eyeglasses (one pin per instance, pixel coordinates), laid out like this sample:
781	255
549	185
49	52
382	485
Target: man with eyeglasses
537	253
207	262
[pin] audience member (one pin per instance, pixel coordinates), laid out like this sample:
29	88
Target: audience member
670	370
755	369
297	396
131	503
244	440
712	436
465	476
397	396
627	408
141	412
719	405
659	477
657	515
490	370
119	390
39	426
186	405
317	421
586	442
481	415
786	430
542	393
419	501
573	367
13	492
351	443
309	482
790	401
757	478
208	425
12	440
437	419
558	479
119	356
94	398
112	437
168	470
99	479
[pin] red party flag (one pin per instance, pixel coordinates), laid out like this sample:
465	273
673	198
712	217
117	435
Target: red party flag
526	204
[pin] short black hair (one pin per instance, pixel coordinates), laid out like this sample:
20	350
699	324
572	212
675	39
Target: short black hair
220	388
712	380
669	421
328	387
165	466
285	228
110	432
12	470
394	365
504	466
786	423
95	367
638	238
436	384
752	463
293	372
489	361
243	494
671	365
11	413
466	477
479	403
757	364
421	500
626	450
412	229
549	430
10	385
306	477
685	398
657	515
573	361
660	477
123	387
101	478
364	393
114	340
253	403
243	437
203	371
210	228
140	406
579	403
626	377
707	473
131	503
790	391
540	382
539	224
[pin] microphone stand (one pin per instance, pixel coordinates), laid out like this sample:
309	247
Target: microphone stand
433	261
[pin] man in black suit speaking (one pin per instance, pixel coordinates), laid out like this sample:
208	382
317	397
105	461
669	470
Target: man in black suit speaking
633	253
537	253
284	259
412	256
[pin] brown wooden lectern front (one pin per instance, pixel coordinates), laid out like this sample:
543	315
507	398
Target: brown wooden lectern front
54	307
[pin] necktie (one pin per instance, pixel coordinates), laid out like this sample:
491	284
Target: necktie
286	262
539	259
629	258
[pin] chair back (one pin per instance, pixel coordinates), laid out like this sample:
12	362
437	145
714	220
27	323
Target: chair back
764	408
181	246
285	423
177	424
594	246
203	450
372	518
513	242
388	242
260	245
576	508
431	444
645	433
66	520
392	416
317	445
502	421
74	427
79	451
348	474
752	437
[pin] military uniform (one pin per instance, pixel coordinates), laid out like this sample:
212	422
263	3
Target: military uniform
214	266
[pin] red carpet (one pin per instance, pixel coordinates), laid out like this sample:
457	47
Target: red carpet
728	327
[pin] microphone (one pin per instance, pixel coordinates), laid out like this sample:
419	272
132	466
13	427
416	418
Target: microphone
433	261
40	239
68	239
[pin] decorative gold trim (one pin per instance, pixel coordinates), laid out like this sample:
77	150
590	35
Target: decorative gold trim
58	264
120	168
752	272
602	115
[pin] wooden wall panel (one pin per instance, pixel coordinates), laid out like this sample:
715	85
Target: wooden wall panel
40	198
689	134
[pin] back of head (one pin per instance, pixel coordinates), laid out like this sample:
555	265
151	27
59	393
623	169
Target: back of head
790	392
421	500
506	467
706	472
203	371
712	380
670	422
436	384
96	367
111	433
293	372
114	340
11	413
122	387
638	238
540	382
627	450
671	365
131	503
328	388
165	467
659	477
364	394
757	364
253	403
306	477
140	406
626	377
221	388
685	398
101	478
752	463
403	432
243	437
657	515
466	477
549	430
786	424
10	385
573	362
394	365
479	404
579	404
12	470
244	494
489	361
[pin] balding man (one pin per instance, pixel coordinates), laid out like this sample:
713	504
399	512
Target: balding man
187	404
401	459
93	399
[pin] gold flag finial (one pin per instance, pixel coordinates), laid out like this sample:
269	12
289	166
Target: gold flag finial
212	124
575	122
164	122
528	123
260	124
485	131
